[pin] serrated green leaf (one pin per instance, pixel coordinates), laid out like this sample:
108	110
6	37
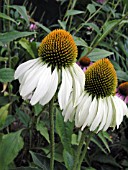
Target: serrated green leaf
91	8
64	131
27	45
3	114
68	159
22	11
40	126
10	146
122	75
4	16
6	75
13	35
73	12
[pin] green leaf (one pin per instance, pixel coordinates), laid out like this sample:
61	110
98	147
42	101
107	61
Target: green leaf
98	143
37	109
40	126
10	145
79	41
22	11
108	27
24	117
6	75
62	24
4	100
25	168
101	136
64	131
73	12
68	159
4	16
91	8
27	45
116	65
94	26
107	159
97	54
122	75
13	35
8	121
43	27
3	114
39	161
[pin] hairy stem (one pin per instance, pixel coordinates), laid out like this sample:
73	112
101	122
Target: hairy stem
78	152
85	150
51	114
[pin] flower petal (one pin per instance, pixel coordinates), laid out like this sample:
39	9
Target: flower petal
98	116
82	112
119	110
110	113
69	111
31	81
65	88
105	114
42	86
92	113
21	69
80	74
124	106
52	89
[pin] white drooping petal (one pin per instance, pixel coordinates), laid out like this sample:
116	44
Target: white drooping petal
65	88
98	116
110	113
30	83
81	102
124	106
69	111
82	112
119	111
76	87
24	67
52	89
25	77
80	74
105	114
92	113
42	86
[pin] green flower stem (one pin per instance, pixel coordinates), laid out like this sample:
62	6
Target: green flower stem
78	152
85	150
51	114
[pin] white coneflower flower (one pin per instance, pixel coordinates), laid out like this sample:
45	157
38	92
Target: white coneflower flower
98	107
54	68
